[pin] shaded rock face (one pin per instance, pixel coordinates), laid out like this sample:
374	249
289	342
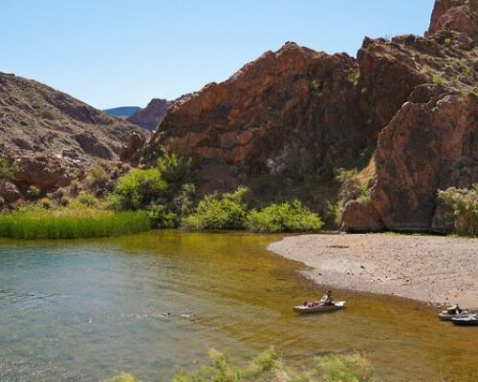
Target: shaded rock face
291	113
152	115
426	147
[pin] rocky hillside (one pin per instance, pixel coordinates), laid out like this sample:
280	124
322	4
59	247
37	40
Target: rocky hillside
152	115
52	137
286	122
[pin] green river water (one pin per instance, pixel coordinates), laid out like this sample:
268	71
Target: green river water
89	309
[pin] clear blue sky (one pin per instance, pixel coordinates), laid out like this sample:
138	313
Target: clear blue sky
112	53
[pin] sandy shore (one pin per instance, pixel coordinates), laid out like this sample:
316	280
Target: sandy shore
437	270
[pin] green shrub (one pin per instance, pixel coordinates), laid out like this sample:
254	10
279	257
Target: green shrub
71	224
161	217
339	368
139	188
2	202
98	177
219	213
332	214
268	367
463	207
350	187
183	203
353	76
315	87
173	166
46	203
33	192
75	187
285	217
85	200
64	201
437	79
7	170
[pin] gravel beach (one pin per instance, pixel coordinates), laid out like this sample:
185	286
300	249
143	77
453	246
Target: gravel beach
432	269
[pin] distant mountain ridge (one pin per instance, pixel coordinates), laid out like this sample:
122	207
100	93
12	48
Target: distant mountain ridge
122	111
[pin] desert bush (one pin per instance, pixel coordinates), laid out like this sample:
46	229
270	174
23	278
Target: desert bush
463	207
161	217
7	170
215	212
46	203
268	367
85	200
183	203
98	177
285	217
33	192
350	187
173	166
332	214
139	188
64	201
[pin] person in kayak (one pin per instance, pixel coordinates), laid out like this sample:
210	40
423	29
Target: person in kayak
326	299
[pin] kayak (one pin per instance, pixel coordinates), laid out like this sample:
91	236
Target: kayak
319	308
445	316
470	320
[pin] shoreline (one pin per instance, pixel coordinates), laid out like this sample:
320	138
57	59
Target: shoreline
432	269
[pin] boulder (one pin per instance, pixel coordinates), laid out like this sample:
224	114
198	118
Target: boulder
359	217
42	171
135	143
9	192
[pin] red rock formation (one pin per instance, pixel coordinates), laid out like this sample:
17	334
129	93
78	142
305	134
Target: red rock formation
455	15
425	148
135	143
358	217
291	113
152	115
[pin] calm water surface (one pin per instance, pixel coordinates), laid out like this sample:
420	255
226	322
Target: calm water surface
87	310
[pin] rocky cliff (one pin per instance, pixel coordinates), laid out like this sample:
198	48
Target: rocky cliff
152	115
281	124
285	122
52	137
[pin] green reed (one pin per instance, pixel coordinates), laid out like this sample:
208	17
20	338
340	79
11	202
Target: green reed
72	224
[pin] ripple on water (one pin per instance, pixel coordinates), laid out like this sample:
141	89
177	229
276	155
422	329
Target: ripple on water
156	302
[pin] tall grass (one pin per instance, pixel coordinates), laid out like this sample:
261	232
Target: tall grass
71	224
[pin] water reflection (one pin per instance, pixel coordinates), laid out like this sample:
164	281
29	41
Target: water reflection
156	302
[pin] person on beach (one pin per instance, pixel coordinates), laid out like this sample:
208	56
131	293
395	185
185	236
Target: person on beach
326	299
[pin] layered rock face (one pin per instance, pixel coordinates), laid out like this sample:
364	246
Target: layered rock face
286	121
152	115
429	144
293	114
53	137
455	15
